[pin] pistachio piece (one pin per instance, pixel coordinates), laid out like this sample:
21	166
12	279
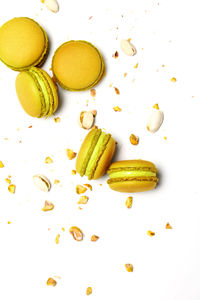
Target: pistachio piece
11	188
127	48
73	172
168	226
52	5
150	233
48	206
51	282
70	154
48	160
94	238
117	109
155	120
88	186
42	182
93	92
134	139
129	202
80	189
83	200
89	291
86	119
57	239
129	267
76	233
1	164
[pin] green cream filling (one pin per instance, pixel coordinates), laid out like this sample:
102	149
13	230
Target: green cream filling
95	154
136	173
45	93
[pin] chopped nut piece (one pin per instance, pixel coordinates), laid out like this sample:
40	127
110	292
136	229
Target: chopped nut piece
11	188
89	291
8	180
70	154
9	222
51	282
48	160
129	202
88	185
94	238
129	267
117	91
57	239
163	66
63	229
80	189
168	226
134	139
42	182
90	17
86	119
127	47
125	74
76	233
1	164
56	181
52	5
136	66
57	120
150	233
73	172
93	92
48	206
165	138
117	108
156	106
83	200
115	55
173	79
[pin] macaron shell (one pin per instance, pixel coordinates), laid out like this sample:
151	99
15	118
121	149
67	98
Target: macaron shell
23	43
105	159
84	152
77	65
132	186
138	163
28	94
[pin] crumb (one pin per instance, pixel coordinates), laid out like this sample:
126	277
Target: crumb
51	282
8	180
63	229
117	109
173	79
48	206
116	54
163	66
94	238
30	126
129	267
48	160
89	291
76	233
125	74
57	239
165	138
90	17
117	91
9	222
136	66
168	226
150	233
134	139
93	92
1	164
57	120
80	189
129	202
156	106
11	188
73	172
83	200
88	185
70	154
110	85
56	181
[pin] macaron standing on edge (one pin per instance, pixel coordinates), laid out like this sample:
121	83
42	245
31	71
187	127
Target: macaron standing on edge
23	43
132	176
36	92
77	65
95	154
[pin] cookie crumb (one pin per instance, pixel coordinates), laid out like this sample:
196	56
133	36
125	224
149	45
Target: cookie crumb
48	160
129	267
83	200
173	79
57	239
117	90
73	172
156	106
70	154
136	66
11	188
93	92
1	164
117	109
134	139
51	282
129	202
168	226
48	206
94	238
57	120
89	291
150	233
116	54
80	189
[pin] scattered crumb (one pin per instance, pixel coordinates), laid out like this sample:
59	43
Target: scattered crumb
89	291
56	181
80	208
9	222
11	188
76	233
129	202
136	66
80	189
73	172
93	92
163	66
125	74
134	139
63	229
51	282
115	55
70	154
90	17
173	79
57	120
30	126
57	239
117	91
156	106
48	160
83	200
94	238
48	206
117	108
9	176
1	164
8	180
150	233
168	226
88	185
129	267
110	85
165	138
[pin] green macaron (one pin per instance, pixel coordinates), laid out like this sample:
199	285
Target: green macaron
132	176
95	154
36	92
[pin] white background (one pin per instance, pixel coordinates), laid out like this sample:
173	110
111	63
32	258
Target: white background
166	266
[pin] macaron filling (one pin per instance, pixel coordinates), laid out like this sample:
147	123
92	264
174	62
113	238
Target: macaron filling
97	153
132	174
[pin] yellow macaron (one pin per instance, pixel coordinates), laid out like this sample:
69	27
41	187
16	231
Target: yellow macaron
23	44
77	65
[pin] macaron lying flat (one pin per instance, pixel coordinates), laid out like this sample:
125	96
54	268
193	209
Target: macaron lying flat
23	43
77	65
37	92
132	176
95	154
